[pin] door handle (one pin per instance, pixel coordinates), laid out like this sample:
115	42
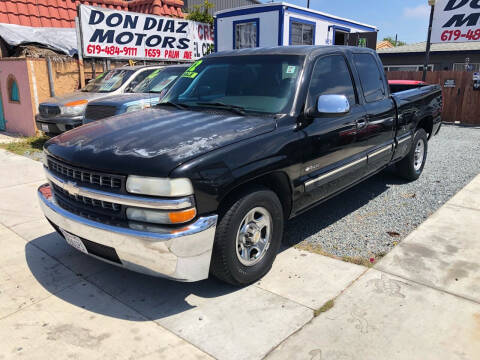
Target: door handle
361	123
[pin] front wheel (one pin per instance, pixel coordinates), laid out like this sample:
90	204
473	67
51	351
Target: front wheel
411	166
248	237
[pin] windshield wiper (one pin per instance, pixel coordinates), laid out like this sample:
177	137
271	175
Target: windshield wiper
234	108
169	103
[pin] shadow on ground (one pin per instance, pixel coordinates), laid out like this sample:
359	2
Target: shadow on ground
152	297
157	298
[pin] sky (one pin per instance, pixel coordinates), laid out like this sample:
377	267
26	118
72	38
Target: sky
407	18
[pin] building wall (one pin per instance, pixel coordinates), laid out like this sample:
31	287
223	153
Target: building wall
440	61
66	78
18	116
268	29
323	35
219	4
270	26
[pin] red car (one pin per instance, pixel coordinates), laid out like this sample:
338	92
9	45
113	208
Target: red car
402	85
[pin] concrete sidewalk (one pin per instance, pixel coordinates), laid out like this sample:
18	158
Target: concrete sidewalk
56	302
422	301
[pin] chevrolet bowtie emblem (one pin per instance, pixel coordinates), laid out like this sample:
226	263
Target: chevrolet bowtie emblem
71	188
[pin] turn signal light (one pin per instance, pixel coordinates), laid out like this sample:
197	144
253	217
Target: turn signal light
76	103
184	216
161	217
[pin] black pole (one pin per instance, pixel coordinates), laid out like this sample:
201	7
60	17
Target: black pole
308	4
429	37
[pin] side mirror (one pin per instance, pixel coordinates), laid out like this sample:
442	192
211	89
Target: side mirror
331	105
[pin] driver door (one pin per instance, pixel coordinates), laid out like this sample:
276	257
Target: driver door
332	159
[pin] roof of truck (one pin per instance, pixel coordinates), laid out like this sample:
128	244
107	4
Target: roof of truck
288	50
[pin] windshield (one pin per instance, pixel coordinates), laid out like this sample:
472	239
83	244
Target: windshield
253	83
109	81
157	81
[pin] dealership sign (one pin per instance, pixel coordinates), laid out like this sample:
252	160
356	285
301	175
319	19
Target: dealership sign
108	33
456	21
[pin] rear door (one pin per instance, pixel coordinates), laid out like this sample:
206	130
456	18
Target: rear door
332	159
375	137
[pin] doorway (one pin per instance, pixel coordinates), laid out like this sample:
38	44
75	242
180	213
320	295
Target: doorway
340	37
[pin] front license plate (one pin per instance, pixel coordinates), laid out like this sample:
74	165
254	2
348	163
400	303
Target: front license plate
74	241
45	127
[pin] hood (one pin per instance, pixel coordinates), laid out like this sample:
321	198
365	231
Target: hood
125	98
153	142
77	95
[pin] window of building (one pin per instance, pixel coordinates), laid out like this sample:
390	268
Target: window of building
331	76
370	77
246	34
12	86
466	67
302	32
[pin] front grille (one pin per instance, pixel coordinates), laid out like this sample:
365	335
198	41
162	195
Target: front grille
97	112
86	201
48	110
86	177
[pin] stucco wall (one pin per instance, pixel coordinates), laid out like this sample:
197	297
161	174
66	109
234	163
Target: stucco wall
18	116
65	77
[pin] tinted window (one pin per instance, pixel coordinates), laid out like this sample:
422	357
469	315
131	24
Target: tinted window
140	77
370	77
109	81
159	80
331	76
257	83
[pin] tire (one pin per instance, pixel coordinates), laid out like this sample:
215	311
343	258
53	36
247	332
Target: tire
237	259
410	167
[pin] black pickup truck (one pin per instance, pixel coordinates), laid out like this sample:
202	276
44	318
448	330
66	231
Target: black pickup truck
204	182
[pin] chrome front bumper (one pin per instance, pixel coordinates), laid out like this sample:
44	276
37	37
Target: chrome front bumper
180	254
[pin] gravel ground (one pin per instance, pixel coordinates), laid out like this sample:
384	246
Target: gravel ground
357	223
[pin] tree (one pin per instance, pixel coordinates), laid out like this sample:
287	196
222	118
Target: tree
393	42
200	13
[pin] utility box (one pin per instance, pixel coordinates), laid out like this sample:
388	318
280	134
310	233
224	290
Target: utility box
276	24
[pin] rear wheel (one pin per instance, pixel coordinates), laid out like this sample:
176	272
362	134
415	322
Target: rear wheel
248	237
411	166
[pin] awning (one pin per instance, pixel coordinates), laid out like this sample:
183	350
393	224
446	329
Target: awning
59	39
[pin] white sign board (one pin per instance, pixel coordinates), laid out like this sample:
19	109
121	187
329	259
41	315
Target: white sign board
456	21
109	33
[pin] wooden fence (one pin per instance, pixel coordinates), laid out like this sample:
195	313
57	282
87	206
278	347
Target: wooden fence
460	103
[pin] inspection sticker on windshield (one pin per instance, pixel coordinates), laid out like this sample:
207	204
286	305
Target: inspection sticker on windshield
153	74
291	69
189	74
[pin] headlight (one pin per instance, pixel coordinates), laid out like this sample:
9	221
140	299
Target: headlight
159	186
161	217
74	108
136	107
